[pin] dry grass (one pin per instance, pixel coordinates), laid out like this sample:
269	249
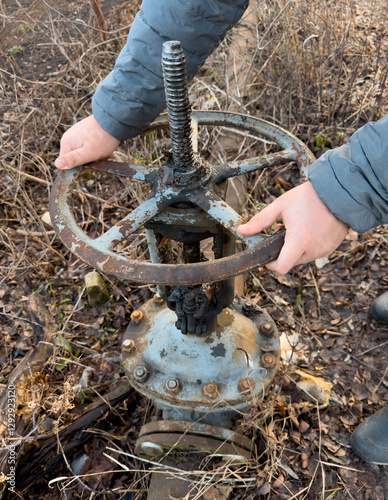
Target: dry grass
311	67
319	69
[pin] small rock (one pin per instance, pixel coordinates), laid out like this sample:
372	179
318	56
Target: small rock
322	262
96	289
46	219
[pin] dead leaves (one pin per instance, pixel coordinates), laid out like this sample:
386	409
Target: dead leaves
312	388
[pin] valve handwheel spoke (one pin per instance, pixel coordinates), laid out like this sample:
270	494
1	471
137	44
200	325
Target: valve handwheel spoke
136	172
133	221
234	168
293	149
223	213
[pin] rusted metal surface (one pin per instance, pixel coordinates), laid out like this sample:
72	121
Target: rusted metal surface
210	390
268	360
190	443
141	374
267	329
235	352
207	370
184	179
170	443
197	428
136	172
247	384
128	345
99	252
168	484
180	435
137	316
158	299
192	217
233	168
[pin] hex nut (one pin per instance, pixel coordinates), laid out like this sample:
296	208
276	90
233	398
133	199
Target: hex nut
173	385
248	306
141	374
210	390
267	328
268	360
128	345
137	317
158	299
246	384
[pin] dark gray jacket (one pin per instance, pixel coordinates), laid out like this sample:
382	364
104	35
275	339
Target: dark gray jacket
132	95
351	180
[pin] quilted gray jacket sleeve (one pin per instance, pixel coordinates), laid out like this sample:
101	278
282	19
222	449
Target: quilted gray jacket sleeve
352	180
132	95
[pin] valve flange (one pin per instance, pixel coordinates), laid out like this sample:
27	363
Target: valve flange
211	373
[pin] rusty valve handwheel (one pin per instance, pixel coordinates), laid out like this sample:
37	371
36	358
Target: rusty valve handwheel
184	179
260	249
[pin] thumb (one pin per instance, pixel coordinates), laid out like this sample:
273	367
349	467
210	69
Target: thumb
75	158
262	220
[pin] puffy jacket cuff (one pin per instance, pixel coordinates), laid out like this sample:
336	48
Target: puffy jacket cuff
119	130
346	205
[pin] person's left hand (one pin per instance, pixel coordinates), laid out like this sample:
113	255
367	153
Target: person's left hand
312	230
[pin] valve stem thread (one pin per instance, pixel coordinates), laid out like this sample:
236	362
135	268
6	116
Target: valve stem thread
178	105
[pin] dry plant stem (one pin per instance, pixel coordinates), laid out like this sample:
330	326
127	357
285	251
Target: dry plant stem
71	436
32	363
28	176
180	472
96	6
75	476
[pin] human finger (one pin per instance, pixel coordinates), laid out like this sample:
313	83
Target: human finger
290	255
262	220
75	158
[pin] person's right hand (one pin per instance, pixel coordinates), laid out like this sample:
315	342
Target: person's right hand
84	142
312	230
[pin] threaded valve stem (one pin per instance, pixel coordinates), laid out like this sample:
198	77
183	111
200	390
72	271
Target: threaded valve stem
178	105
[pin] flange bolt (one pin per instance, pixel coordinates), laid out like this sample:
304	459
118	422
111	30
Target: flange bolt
137	317
268	360
128	345
267	329
173	385
210	390
158	300
248	306
246	384
141	374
